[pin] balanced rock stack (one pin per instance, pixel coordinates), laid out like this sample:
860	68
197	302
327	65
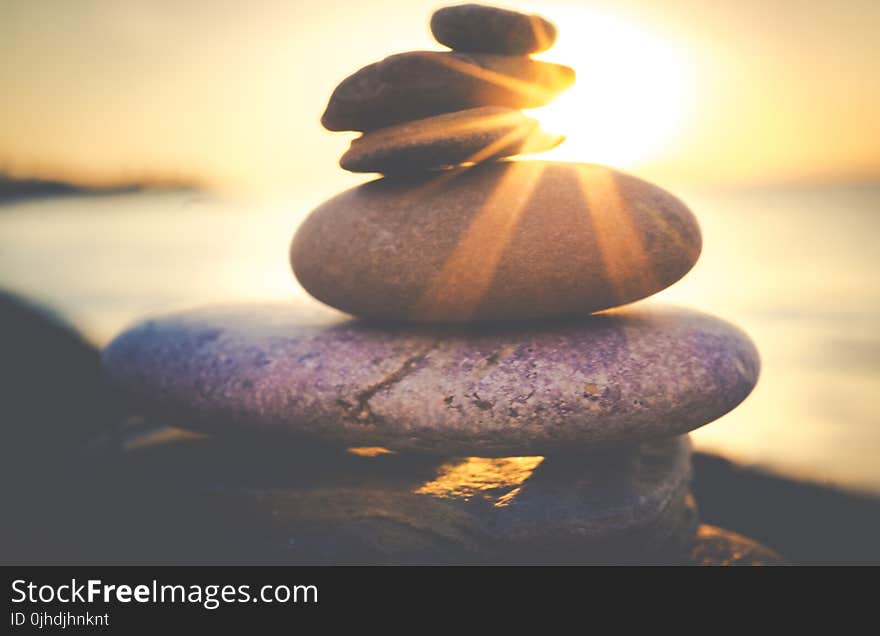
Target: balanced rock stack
488	416
426	110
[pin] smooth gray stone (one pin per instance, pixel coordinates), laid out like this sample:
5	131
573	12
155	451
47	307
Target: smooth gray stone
237	500
502	241
420	84
632	374
466	136
478	27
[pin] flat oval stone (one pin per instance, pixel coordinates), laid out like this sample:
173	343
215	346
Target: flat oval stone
477	27
514	240
238	500
421	84
467	136
620	377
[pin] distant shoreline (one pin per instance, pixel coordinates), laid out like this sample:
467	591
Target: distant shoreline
15	190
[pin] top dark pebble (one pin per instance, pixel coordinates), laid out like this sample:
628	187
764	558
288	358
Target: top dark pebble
481	28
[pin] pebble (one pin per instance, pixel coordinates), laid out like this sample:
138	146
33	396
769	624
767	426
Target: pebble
467	136
510	240
420	84
477	27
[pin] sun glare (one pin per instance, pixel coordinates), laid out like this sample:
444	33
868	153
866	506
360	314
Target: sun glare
632	94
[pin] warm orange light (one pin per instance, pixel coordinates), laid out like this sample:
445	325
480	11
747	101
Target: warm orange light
369	451
497	479
632	93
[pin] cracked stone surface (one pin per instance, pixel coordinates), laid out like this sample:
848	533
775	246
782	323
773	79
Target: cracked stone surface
299	370
501	241
238	500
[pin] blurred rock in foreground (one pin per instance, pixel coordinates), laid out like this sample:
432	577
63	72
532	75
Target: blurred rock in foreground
808	523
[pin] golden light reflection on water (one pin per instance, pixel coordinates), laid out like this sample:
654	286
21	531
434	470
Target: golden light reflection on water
482	477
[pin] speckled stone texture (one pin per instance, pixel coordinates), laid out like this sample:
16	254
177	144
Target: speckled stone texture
476	27
719	547
236	501
632	374
500	241
420	84
467	136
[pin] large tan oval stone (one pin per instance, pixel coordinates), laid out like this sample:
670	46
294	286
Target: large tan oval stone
502	241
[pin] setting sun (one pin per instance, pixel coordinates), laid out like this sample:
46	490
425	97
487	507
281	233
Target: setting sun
632	95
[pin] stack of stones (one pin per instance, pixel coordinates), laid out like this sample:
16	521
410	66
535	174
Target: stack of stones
425	110
477	411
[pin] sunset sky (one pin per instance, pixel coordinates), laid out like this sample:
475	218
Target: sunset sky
722	92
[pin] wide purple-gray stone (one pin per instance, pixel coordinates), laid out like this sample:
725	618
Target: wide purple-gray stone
631	374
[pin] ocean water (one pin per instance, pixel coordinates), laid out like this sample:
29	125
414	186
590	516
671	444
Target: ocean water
797	268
